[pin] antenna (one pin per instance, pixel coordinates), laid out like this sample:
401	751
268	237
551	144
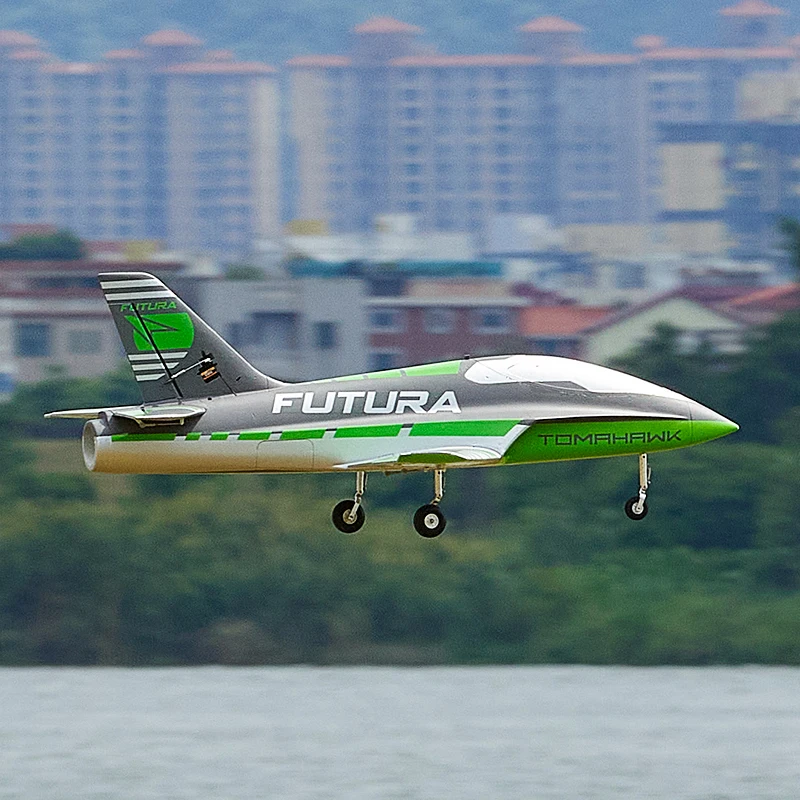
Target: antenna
149	335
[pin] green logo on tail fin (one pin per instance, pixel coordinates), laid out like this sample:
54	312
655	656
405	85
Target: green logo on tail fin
169	331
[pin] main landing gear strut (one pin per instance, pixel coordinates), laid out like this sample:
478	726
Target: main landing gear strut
429	521
636	507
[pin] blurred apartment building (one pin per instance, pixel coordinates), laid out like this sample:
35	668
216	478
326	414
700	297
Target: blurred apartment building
552	128
166	141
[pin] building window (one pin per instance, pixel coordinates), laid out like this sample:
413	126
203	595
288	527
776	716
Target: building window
490	320
387	320
326	335
384	359
32	339
439	320
84	341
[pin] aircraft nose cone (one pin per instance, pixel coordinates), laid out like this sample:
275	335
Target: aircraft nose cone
708	425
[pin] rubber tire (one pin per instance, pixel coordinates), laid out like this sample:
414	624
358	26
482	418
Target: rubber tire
342	508
631	513
419	521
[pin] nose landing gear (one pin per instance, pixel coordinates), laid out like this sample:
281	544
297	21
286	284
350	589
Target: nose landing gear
636	507
429	521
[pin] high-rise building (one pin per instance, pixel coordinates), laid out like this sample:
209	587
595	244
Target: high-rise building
166	141
550	129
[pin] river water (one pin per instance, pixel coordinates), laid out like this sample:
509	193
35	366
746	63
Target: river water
484	733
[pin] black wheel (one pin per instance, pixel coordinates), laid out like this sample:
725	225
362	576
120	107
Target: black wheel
630	511
338	517
429	521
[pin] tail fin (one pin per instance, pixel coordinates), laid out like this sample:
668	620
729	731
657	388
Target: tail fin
172	352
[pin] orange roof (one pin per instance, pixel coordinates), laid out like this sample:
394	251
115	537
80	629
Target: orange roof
221	68
319	61
550	25
17	39
752	8
560	320
467	61
170	38
777	298
718	53
385	25
121	55
601	59
29	55
71	69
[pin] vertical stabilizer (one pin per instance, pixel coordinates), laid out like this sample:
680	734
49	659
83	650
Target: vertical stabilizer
172	352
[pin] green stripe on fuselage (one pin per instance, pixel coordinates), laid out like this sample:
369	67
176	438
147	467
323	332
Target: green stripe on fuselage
368	431
287	436
492	427
562	441
442	368
143	437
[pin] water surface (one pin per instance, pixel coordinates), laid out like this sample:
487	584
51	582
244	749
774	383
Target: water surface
438	733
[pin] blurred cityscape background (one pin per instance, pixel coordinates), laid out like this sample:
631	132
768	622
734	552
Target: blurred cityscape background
382	203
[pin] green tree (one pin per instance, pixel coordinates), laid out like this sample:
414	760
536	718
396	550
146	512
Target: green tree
62	245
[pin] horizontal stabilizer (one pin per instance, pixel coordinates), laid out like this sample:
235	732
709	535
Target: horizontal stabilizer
142	415
76	413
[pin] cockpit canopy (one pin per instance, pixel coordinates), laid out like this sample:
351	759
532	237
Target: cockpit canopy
562	372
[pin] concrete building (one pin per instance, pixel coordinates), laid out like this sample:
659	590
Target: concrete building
292	329
551	129
166	141
736	177
440	320
53	317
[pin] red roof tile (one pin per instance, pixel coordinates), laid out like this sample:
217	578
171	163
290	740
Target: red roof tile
752	8
385	25
221	68
511	60
774	298
124	54
319	61
561	320
714	298
170	38
17	39
550	25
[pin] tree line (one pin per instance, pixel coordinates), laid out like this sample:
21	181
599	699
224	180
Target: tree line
539	564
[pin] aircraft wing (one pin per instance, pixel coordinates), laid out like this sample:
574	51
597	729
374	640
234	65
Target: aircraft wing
439	455
143	416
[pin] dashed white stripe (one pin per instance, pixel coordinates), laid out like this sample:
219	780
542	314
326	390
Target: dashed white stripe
154	356
150	377
141	283
143	295
274	436
143	367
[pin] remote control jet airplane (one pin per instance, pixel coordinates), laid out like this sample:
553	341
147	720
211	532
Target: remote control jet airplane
205	409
